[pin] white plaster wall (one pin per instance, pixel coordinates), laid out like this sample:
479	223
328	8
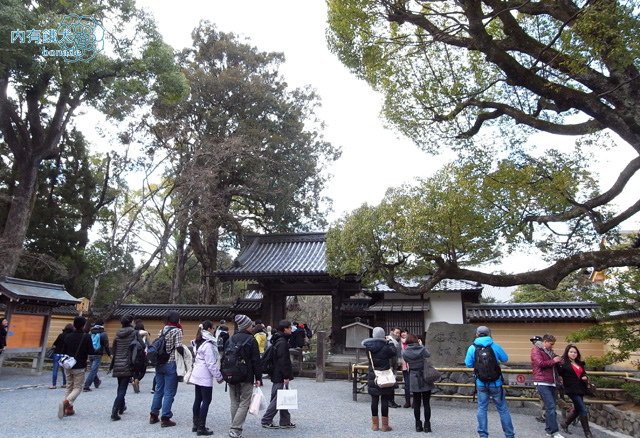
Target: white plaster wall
445	307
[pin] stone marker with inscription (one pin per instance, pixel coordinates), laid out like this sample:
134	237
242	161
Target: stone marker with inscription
448	343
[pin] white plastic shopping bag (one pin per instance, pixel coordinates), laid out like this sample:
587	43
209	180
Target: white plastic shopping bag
287	399
259	402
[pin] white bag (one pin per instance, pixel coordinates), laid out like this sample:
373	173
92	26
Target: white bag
259	402
67	362
287	399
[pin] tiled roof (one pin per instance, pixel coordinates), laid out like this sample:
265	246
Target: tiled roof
446	285
563	311
186	311
355	305
300	254
400	306
247	306
35	291
65	310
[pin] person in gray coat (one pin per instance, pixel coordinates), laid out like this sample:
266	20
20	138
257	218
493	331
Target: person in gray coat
121	364
414	355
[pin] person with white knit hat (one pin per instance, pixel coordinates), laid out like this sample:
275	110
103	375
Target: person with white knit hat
240	393
382	353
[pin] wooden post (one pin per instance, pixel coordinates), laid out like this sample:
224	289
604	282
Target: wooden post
320	349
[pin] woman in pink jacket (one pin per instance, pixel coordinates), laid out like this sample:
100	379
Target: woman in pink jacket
205	370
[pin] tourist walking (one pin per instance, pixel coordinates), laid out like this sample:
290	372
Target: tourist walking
100	343
485	356
140	370
242	359
166	374
57	354
261	338
205	371
574	382
121	366
545	377
383	356
76	344
414	355
282	375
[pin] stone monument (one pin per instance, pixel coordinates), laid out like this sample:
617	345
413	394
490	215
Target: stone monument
448	343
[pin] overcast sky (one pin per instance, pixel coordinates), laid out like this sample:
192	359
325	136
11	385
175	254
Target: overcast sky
373	158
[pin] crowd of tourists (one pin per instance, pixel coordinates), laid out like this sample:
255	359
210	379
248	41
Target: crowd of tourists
213	357
401	350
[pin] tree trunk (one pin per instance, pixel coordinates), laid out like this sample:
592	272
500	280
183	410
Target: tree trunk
18	218
179	272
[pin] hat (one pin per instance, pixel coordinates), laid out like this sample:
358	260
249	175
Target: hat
483	330
378	332
243	321
223	322
535	339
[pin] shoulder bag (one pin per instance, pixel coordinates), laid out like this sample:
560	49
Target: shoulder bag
429	373
67	362
384	378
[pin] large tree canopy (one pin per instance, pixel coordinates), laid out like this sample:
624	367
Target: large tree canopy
39	95
474	74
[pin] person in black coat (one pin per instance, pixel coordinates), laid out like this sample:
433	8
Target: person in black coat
57	354
414	355
76	344
574	381
384	357
121	366
4	323
282	374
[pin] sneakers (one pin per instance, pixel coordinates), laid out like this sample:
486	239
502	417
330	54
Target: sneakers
52	387
166	422
394	405
64	386
136	385
287	426
554	435
270	426
86	390
61	407
97	382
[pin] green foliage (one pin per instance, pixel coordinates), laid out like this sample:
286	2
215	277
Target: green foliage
633	389
597	363
570	289
606	382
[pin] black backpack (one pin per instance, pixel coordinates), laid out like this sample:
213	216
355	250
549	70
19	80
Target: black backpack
157	353
267	361
137	355
223	337
485	364
234	366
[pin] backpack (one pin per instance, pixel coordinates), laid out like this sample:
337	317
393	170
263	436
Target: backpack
267	361
234	366
485	364
137	355
223	337
95	340
157	353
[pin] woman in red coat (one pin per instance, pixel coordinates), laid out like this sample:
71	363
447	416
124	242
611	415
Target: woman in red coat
574	380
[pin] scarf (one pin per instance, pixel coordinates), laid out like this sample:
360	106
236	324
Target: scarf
176	324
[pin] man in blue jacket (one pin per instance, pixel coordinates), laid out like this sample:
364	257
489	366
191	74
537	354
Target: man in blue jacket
489	388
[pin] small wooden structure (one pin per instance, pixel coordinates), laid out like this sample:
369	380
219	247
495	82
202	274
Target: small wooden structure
356	332
28	305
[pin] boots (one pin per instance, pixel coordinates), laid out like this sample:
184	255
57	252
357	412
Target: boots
122	409
166	422
375	423
385	425
153	418
585	426
427	426
564	425
196	421
418	426
68	408
114	414
202	429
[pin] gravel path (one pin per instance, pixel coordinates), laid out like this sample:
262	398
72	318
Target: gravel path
29	409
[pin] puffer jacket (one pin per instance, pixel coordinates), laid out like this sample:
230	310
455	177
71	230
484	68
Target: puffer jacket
121	362
205	367
282	368
383	354
414	356
544	368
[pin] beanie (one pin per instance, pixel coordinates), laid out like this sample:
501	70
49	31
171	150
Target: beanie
243	321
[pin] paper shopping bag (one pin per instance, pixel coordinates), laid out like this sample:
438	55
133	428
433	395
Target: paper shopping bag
287	399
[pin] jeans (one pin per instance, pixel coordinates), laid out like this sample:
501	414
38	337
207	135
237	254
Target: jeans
166	387
548	396
285	417
497	394
54	372
92	377
202	401
118	403
578	405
